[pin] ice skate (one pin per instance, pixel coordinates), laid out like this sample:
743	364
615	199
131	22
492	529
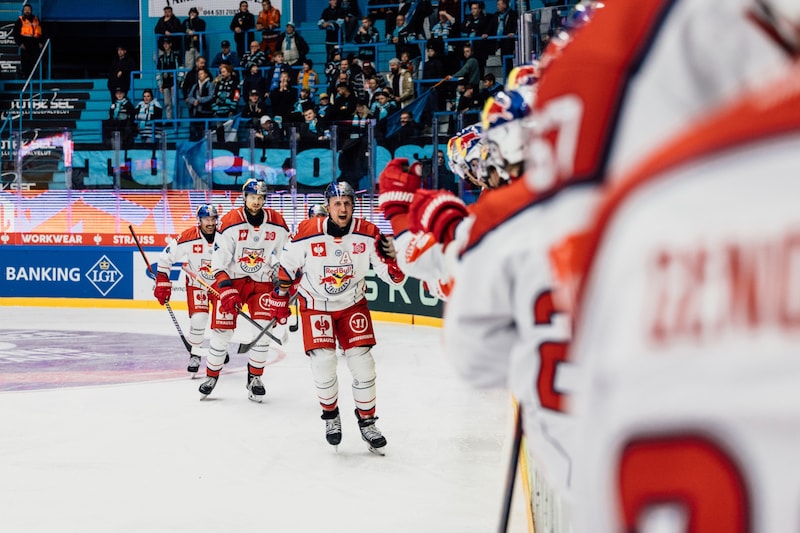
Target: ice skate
194	364
255	388
371	434
333	427
207	386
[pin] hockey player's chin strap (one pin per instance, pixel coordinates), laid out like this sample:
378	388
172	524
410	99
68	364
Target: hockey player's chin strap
338	231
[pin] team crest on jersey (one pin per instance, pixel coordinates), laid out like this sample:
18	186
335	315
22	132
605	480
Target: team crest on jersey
251	260
205	269
243	234
336	279
318	249
197	248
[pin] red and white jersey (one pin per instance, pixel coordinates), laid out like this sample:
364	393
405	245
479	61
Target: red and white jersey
420	256
688	330
190	247
242	250
334	269
636	74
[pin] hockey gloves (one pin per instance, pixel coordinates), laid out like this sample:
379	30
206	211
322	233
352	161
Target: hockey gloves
384	246
437	212
398	183
279	307
163	288
229	299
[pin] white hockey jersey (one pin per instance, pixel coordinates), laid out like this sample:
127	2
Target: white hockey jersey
688	331
191	247
242	250
333	268
633	76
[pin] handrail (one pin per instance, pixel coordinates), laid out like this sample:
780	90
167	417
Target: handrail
9	118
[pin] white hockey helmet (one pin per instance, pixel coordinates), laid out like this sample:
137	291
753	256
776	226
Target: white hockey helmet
206	210
254	186
317	210
338	189
464	154
504	129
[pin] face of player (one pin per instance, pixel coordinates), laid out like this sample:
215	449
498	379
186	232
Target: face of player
208	225
341	210
253	203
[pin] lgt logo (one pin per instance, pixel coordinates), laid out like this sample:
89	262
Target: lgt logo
104	275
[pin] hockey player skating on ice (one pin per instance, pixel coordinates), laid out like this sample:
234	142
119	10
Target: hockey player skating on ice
194	246
248	239
327	260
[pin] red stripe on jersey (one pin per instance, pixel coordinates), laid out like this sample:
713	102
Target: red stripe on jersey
310	227
189	234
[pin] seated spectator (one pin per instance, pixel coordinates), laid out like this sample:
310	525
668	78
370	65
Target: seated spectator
146	112
470	105
323	109
366	35
359	121
200	101
269	133
120	118
470	71
310	130
254	81
383	107
308	78
303	101
490	86
225	55
371	90
282	100
408	132
191	77
253	111
445	177
254	56
279	68
345	103
401	83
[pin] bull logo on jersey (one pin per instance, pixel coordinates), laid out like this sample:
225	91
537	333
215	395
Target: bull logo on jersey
318	249
205	269
251	260
336	279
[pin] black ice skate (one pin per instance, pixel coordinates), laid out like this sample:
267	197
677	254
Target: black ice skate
207	386
371	434
255	388
333	427
194	364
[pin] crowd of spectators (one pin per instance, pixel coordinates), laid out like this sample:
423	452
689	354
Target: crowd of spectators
267	84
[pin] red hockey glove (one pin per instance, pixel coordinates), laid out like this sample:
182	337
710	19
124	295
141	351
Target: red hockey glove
384	246
395	273
279	307
293	288
163	288
230	301
398	182
437	212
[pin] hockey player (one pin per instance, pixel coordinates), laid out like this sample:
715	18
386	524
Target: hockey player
194	245
685	419
250	239
317	210
670	61
328	260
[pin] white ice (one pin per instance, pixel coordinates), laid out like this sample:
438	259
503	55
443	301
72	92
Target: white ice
152	457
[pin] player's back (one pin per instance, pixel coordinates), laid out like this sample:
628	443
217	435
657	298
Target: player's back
688	329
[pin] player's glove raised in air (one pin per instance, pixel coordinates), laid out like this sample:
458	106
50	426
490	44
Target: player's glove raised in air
398	183
279	307
163	288
437	212
230	301
384	246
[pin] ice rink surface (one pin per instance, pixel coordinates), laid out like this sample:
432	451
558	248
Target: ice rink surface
104	431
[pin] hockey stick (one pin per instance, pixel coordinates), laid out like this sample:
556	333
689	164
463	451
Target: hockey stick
242	347
166	304
511	474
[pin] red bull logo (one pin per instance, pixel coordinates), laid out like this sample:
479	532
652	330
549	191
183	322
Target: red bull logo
251	260
205	269
336	279
497	110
